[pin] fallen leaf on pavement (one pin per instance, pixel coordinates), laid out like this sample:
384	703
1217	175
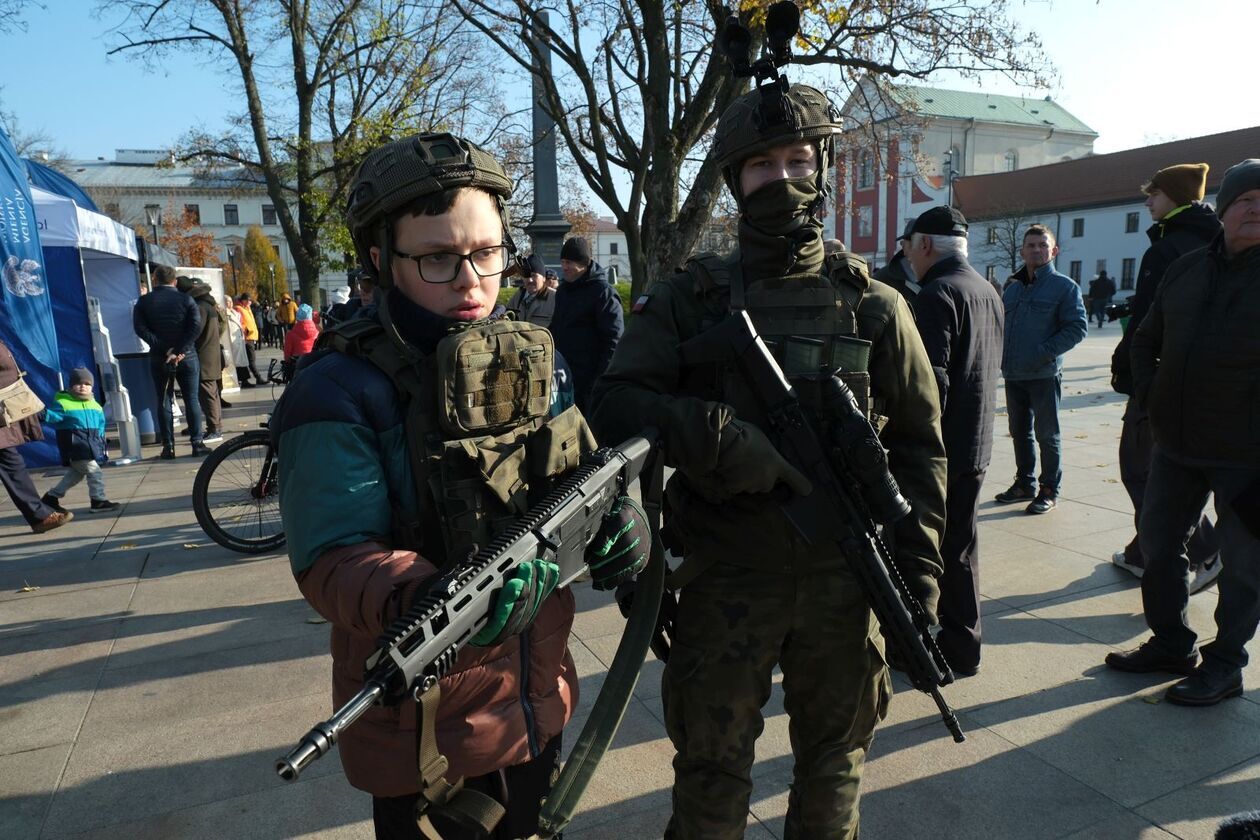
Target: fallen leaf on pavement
1152	699
28	588
191	545
127	545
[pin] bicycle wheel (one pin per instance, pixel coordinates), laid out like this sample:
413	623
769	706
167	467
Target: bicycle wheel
236	495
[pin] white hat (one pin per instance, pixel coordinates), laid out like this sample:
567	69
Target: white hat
341	294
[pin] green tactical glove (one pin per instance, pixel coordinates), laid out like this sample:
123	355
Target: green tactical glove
518	602
747	462
620	549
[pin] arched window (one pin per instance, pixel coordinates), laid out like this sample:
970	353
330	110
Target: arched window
1012	160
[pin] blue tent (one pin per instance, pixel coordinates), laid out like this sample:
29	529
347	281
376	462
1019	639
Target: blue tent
47	178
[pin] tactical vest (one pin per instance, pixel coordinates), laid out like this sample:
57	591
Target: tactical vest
807	321
480	439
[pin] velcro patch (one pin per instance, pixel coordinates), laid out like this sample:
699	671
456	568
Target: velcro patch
640	304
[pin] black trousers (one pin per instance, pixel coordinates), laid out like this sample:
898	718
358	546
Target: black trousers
959	607
521	789
1136	448
21	489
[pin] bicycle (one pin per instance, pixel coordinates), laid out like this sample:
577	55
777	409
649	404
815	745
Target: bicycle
236	494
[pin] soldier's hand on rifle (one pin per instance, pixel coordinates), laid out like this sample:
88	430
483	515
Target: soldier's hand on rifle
518	602
620	549
925	589
748	462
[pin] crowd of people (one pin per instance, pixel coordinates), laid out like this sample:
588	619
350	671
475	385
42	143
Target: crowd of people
922	346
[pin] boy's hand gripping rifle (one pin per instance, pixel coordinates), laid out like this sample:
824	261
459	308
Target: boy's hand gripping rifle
853	492
420	646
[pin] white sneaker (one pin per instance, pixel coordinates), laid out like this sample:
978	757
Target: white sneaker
1121	560
214	438
1204	576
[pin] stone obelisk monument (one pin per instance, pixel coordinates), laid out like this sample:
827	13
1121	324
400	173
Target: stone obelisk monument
548	227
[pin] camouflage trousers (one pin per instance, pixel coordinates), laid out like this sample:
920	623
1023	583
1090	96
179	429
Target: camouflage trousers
733	626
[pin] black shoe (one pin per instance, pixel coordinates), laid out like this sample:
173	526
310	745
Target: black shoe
1016	493
1205	688
224	403
186	431
200	449
53	502
104	506
1147	659
168	454
1044	503
247	385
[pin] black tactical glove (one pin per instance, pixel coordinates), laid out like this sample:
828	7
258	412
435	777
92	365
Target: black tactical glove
747	462
925	589
621	546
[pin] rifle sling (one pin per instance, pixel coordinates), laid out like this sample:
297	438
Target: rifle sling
469	808
610	705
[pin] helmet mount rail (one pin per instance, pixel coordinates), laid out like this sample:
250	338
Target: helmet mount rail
734	43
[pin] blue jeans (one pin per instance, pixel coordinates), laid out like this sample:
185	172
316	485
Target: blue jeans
1033	405
1175	497
187	374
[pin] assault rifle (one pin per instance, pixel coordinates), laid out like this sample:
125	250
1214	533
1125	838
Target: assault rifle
420	646
849	499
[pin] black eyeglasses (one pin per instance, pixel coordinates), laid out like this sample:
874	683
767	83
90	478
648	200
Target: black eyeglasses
443	266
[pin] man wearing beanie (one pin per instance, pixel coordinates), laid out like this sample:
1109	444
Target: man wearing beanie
1182	223
533	301
587	322
1195	357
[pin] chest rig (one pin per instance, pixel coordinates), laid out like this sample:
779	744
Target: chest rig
481	443
807	321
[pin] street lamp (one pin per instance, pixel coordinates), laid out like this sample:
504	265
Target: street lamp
153	213
272	268
950	174
231	252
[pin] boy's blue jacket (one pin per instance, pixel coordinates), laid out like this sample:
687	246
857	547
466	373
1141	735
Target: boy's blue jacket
80	426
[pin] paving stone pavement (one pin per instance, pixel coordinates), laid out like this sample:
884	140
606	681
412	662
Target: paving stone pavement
149	681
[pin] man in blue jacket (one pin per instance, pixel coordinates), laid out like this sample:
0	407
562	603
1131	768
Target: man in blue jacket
587	322
1045	318
168	321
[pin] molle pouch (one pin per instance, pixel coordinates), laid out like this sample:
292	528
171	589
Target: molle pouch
851	354
559	445
493	377
484	484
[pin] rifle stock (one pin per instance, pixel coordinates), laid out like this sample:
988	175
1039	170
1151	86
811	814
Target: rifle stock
861	491
418	648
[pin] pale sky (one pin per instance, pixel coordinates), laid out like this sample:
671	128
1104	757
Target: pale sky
1136	72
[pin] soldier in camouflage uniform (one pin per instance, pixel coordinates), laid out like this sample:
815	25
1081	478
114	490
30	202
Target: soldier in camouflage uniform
758	594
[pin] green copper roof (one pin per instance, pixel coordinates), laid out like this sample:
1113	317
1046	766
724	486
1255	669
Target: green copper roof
957	104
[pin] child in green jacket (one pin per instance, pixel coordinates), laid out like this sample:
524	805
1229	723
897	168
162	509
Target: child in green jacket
80	424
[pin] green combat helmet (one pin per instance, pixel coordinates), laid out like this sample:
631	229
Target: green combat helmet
400	172
771	115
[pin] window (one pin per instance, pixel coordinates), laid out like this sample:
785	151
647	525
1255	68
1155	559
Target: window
230	215
612	247
1078	227
992	236
1128	269
192	212
1074	271
866	171
269	214
864	221
1130	222
1012	160
1100	267
990	273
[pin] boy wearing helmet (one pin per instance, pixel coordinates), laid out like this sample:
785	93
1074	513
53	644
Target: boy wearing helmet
364	429
753	593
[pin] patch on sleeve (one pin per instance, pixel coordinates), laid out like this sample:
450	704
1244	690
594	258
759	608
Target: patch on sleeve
640	304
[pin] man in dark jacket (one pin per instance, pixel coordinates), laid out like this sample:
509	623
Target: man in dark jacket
587	322
167	320
1182	224
1044	318
209	354
1101	290
899	273
1195	358
959	316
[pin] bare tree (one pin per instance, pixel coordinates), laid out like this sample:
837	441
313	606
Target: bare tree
11	15
324	82
635	90
1003	235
